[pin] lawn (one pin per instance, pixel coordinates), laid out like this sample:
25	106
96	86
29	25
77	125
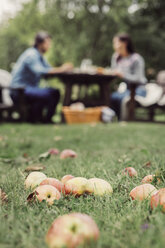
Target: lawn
103	151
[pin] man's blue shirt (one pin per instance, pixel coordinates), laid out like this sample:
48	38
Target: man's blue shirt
29	69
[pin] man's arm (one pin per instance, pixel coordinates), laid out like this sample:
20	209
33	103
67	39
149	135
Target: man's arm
35	65
64	68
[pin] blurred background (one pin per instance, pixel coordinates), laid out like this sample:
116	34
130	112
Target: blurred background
83	29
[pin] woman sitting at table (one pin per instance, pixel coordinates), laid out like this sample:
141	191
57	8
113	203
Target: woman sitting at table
129	66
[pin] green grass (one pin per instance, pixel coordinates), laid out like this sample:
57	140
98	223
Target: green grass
103	151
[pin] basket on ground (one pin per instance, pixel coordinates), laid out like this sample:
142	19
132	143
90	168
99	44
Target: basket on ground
87	115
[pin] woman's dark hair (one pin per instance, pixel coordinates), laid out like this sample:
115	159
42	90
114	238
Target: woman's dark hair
126	39
40	38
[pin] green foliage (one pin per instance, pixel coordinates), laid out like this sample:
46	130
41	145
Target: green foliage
84	29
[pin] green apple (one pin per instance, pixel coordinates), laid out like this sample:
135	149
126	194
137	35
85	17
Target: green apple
99	187
34	179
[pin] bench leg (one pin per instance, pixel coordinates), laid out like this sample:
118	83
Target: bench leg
151	114
131	105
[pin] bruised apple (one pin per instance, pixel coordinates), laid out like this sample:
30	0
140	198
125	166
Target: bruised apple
34	179
143	192
71	231
130	171
158	199
66	178
54	182
99	187
76	186
53	151
68	154
148	179
47	193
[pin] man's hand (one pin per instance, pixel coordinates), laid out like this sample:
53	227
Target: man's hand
67	67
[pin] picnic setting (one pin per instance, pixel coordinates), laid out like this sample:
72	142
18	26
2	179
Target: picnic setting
82	124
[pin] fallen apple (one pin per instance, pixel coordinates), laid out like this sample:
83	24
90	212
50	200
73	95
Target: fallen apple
53	151
76	186
142	192
3	196
148	179
34	179
71	231
158	199
99	187
130	171
94	231
65	178
47	193
68	154
54	182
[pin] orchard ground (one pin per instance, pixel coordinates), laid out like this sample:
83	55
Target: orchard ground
103	151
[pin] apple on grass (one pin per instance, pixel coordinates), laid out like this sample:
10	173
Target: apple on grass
143	192
68	154
65	178
47	193
34	179
54	182
76	186
99	187
130	171
148	179
71	231
158	200
53	151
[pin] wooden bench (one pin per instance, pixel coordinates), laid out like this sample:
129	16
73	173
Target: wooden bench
20	107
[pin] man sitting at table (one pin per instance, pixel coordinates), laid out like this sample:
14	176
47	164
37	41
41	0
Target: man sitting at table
28	70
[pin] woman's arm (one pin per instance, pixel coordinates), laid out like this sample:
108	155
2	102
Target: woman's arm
138	72
113	61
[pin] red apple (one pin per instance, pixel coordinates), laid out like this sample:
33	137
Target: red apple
143	192
76	186
158	199
54	182
130	171
94	228
53	151
148	179
71	231
66	178
48	193
68	154
98	187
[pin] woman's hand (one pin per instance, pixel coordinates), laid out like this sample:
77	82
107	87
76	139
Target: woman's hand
117	73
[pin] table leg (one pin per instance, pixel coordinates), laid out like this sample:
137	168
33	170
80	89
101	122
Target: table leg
67	98
68	93
131	105
105	94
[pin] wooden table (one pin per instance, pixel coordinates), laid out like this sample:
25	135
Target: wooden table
72	78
